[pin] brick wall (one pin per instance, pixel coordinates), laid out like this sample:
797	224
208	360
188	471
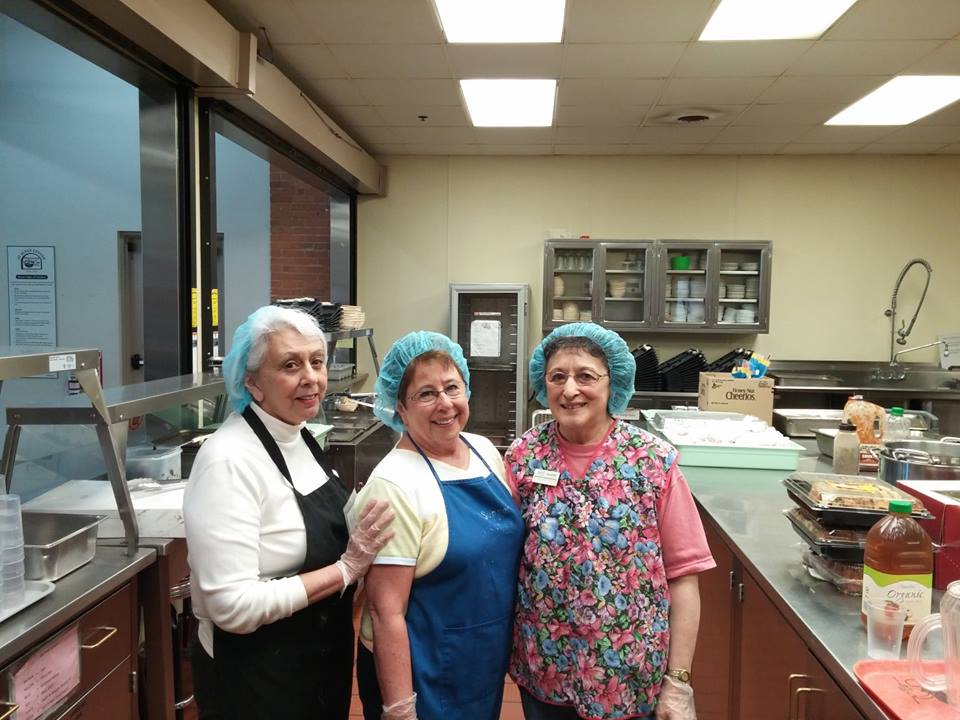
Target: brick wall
299	238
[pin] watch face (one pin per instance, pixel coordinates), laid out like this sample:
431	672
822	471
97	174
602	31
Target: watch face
681	675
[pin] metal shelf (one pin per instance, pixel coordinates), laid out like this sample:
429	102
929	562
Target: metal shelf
353	334
341	386
25	361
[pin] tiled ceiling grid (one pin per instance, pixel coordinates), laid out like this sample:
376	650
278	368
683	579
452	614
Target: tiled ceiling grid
626	68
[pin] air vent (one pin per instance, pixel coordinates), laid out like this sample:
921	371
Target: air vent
686	116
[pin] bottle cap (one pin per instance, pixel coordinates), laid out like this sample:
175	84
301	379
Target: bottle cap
896	411
847	426
901	506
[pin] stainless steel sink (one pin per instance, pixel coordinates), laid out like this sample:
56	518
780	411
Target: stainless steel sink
806	379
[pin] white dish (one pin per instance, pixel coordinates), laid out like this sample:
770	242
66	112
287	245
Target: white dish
35	590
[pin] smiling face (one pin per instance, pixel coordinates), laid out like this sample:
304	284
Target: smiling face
580	410
292	377
434	426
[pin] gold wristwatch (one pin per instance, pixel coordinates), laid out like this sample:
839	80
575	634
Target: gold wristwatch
681	674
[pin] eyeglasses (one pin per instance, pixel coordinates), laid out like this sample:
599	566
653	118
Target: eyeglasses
582	378
429	396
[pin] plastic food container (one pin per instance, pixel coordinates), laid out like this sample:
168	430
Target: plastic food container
844	544
846	577
339	371
158	463
681	262
846	500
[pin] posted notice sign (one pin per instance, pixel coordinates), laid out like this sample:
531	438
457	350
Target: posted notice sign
32	295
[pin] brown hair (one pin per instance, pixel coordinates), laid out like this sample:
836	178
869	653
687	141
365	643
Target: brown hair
574	343
438	356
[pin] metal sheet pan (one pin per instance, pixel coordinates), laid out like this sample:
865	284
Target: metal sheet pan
56	544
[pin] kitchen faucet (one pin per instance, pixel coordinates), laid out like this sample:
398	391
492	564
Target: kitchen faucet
896	372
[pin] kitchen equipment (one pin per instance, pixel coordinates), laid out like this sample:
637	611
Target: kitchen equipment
34	591
848	501
737	456
558	286
159	463
947	620
660	418
843	544
339	371
680	262
56	544
891	684
919	460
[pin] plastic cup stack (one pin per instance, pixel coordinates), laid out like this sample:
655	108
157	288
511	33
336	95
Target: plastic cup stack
12	584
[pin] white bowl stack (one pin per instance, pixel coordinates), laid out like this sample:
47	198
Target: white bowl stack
736	292
617	287
752	288
695	313
698	287
12	576
745	316
751	266
729	266
571	311
683	288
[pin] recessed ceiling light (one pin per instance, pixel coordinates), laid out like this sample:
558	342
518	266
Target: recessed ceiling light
901	100
501	21
773	19
510	103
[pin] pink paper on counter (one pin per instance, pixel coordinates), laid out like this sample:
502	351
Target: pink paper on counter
48	677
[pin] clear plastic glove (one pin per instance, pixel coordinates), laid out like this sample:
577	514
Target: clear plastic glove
403	710
676	701
368	537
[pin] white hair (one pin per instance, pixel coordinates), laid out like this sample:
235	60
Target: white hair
273	318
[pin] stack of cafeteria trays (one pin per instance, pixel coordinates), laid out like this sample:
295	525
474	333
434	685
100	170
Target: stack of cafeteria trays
646	377
327	314
733	359
832	515
681	373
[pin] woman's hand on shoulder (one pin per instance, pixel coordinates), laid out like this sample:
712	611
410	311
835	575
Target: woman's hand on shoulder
369	536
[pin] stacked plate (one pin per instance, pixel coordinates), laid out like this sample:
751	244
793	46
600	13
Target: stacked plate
617	287
729	266
681	373
745	316
352	317
752	288
682	289
647	377
753	266
729	314
571	312
695	313
736	292
698	287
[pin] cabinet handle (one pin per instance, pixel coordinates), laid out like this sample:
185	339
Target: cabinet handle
740	592
732	576
11	709
110	632
790	692
801	694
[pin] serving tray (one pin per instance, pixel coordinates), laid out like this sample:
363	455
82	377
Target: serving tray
892	686
34	591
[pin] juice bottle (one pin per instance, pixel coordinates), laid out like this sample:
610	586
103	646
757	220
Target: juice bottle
898	565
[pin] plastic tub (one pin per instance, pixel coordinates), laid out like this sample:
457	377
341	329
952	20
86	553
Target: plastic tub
680	262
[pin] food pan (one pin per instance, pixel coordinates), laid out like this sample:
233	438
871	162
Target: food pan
841	544
842	512
55	544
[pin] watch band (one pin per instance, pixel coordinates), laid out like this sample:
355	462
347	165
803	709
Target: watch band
681	674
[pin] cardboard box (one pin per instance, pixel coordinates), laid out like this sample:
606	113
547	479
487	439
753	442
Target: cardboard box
944	528
724	393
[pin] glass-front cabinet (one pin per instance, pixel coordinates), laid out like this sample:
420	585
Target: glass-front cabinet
660	285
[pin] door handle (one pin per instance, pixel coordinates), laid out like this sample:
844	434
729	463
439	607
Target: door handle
802	693
136	361
740	592
109	633
732	577
790	692
11	708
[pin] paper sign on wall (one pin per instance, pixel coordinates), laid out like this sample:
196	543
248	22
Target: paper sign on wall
32	295
485	338
48	678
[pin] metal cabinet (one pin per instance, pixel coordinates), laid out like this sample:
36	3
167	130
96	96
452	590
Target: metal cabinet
658	285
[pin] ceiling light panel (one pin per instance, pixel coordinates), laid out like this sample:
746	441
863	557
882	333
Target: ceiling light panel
901	101
510	103
773	19
501	21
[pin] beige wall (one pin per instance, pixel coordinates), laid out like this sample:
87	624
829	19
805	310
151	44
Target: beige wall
842	227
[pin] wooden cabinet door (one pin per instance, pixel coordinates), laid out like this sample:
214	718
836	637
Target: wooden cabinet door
712	669
820	698
112	698
770	652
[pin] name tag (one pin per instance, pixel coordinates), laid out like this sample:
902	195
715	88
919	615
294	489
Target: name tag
546	477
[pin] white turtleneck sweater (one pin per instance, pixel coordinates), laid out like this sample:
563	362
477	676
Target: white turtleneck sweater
245	536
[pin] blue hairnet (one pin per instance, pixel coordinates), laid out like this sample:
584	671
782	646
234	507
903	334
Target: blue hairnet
266	319
622	364
400	355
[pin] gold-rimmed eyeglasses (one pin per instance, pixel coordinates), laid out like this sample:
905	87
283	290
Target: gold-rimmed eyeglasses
430	396
582	378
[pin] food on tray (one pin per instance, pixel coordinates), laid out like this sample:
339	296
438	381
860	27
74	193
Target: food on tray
823	535
748	432
846	577
850	492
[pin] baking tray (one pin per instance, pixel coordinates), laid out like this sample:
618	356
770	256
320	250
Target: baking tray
803	423
658	418
34	590
55	544
842	517
737	456
833	548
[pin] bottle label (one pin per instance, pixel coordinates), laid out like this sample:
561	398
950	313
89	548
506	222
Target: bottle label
913	592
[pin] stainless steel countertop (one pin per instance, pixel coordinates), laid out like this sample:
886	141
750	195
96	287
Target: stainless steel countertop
110	568
746	505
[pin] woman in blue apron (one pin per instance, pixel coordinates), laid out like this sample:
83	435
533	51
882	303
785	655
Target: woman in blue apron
436	632
272	561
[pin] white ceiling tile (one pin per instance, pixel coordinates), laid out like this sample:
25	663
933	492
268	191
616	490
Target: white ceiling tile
950	149
497	61
583	135
282	22
439	135
807	89
378	135
945	60
608	91
595	149
789	114
600	115
310	61
845	133
949	115
392	61
650	60
742	148
820	148
725	59
898	19
437	115
371	21
861	57
354	116
708	91
331	93
677	135
760	134
665	149
382	149
925	134
632	21
412	91
515	136
891	148
720	114
486	149
442	149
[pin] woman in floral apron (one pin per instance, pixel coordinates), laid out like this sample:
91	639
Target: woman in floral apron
608	602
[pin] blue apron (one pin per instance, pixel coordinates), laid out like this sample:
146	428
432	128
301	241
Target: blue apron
460	615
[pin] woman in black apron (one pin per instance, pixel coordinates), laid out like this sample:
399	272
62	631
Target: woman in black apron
272	561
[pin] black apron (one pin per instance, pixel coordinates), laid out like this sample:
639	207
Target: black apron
301	667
